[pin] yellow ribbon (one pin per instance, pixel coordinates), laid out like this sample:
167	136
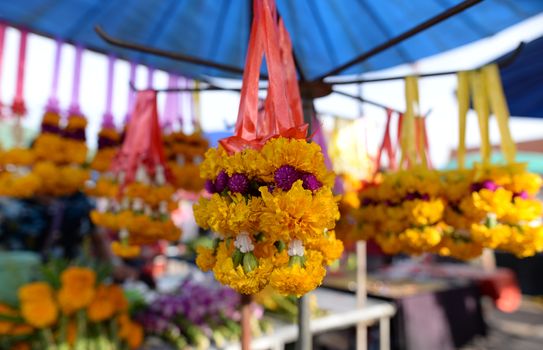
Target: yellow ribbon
463	107
480	103
498	104
197	108
407	141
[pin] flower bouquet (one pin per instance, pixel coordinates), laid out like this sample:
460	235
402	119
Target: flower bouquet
271	201
196	314
71	310
138	199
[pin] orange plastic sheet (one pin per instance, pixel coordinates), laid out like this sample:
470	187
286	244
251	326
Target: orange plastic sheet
283	111
143	140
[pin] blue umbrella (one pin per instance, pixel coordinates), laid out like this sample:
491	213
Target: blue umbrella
325	33
523	81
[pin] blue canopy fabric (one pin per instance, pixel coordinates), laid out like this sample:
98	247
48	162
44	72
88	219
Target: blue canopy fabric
523	81
325	33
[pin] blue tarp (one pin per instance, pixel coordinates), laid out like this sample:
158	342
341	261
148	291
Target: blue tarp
523	81
325	33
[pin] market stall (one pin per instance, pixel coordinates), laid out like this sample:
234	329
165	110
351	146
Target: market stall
265	197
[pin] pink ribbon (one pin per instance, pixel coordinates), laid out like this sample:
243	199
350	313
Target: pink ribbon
108	119
19	107
131	93
52	103
150	77
171	105
74	105
2	36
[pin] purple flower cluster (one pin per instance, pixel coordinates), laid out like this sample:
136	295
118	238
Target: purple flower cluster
77	134
237	183
284	178
106	142
484	185
523	195
197	303
411	196
50	128
287	175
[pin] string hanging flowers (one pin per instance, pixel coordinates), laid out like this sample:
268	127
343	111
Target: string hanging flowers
137	199
271	202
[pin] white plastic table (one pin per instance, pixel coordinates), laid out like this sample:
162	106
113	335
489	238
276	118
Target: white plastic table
342	312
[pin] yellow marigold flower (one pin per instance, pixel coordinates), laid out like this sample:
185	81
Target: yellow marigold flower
214	162
77	289
524	241
76	122
330	247
205	258
19	186
135	337
300	154
459	246
525	181
523	210
40	313
102	307
419	240
78	277
420	213
187	177
249	162
124	326
228	215
17	156
110	133
457	184
235	277
298	280
35	291
116	294
490	237
125	250
51	118
498	202
458	220
78	152
103	159
297	212
49	147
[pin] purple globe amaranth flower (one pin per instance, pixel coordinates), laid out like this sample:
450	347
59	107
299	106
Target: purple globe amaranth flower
210	187
487	185
523	195
310	182
367	201
286	176
221	181
238	183
411	196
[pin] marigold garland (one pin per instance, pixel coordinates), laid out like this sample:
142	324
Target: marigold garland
274	212
457	213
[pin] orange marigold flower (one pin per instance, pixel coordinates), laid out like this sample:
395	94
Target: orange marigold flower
40	313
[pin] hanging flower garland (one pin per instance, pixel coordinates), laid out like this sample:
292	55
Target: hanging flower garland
48	168
137	200
271	204
458	213
184	152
